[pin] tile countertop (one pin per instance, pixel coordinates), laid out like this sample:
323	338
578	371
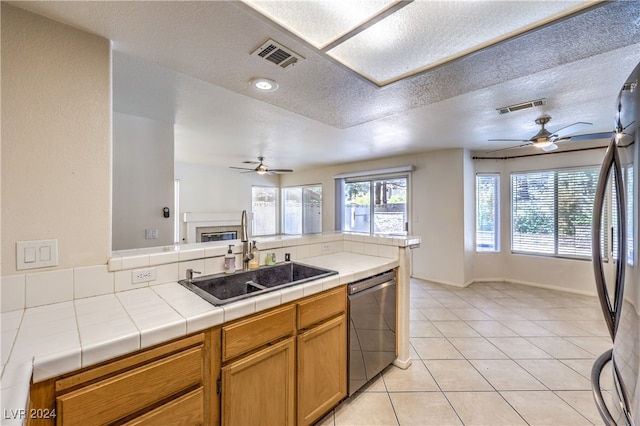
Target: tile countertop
51	340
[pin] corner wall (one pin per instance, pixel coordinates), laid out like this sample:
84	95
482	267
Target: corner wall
142	181
56	139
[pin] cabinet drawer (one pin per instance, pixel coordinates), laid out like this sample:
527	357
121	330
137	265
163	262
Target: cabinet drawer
245	335
188	410
124	394
321	307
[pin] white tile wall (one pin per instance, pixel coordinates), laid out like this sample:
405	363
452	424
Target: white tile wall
49	287
92	281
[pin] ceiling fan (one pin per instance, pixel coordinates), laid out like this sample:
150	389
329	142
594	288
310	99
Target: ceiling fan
261	168
545	139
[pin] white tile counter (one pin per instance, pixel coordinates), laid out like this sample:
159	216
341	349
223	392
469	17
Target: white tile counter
58	338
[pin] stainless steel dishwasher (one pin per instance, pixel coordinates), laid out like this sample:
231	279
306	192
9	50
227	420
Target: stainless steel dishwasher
372	327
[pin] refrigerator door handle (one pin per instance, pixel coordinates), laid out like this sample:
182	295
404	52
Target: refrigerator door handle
610	310
596	370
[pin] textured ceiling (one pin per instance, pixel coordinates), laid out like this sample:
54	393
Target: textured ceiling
190	63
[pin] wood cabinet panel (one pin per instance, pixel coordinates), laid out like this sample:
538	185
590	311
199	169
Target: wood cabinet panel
321	307
322	369
186	410
124	394
260	388
242	336
129	361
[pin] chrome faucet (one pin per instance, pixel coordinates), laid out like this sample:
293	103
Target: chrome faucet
190	273
244	237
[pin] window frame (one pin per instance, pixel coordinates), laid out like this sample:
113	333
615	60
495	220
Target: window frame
341	181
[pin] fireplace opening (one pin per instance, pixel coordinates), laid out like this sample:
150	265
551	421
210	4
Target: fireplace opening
218	236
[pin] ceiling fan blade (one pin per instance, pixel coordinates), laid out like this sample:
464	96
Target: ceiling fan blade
549	148
241	168
251	162
507	140
572	128
511	147
590	136
280	170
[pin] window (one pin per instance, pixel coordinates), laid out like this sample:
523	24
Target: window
551	211
264	204
383	199
302	209
487	208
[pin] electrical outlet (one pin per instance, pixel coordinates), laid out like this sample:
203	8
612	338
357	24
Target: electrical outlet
143	275
326	247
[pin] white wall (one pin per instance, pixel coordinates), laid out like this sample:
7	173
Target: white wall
437	208
56	139
142	181
212	189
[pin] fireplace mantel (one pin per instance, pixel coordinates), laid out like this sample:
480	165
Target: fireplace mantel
201	220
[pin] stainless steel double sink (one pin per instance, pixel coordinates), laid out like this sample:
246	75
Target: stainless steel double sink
220	289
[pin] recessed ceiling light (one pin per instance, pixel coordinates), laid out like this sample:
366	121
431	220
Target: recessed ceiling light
264	84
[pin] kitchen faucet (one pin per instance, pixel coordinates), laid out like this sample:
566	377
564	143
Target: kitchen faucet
244	237
190	273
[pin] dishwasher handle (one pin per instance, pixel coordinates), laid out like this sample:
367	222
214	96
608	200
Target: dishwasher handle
361	285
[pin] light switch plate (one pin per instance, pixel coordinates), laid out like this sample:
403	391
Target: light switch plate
36	254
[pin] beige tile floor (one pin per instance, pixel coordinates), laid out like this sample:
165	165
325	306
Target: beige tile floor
490	354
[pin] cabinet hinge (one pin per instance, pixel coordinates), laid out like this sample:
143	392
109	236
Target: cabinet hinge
219	386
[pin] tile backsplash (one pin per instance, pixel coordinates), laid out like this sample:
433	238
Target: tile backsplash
170	264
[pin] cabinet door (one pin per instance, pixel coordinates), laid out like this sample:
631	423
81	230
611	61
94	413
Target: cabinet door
322	369
259	389
123	394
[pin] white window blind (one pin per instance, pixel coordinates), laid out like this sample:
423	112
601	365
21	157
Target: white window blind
551	211
264	204
487	208
302	209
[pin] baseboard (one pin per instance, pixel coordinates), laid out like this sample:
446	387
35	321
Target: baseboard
517	282
403	364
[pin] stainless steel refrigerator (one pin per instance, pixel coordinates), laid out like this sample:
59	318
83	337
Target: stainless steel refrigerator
615	264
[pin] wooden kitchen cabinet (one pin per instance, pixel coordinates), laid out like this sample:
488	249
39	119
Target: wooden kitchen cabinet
259	389
321	354
287	365
166	384
322	369
258	374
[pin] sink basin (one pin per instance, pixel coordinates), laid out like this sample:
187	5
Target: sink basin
220	289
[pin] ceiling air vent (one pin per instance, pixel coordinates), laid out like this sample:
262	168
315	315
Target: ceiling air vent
524	105
278	54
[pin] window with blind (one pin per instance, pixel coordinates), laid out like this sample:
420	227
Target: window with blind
302	209
264	204
551	211
487	208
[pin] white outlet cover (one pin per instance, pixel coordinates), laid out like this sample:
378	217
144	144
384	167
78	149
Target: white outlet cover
143	275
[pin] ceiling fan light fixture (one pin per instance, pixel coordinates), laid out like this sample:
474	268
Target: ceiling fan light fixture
542	142
264	84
